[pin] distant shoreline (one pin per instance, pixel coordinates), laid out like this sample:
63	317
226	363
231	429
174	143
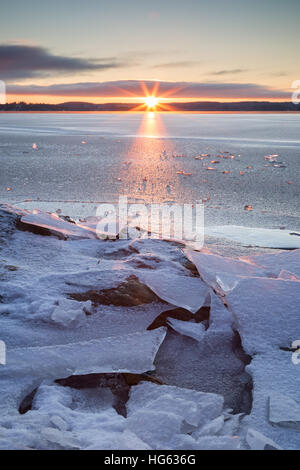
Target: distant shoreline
144	112
175	107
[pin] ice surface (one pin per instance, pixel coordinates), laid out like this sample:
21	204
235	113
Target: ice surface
193	330
218	443
220	317
222	273
257	441
249	236
49	335
163	415
284	411
114	354
211	428
55	225
194	407
159	417
274	313
273	306
183	291
282	261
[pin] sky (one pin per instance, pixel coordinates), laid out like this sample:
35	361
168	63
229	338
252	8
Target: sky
119	50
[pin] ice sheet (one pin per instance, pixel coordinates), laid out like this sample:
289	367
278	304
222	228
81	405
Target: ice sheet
254	236
183	291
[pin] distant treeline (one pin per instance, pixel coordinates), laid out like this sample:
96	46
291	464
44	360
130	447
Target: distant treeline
191	106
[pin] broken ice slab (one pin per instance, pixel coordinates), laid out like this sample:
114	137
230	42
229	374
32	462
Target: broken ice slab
191	329
220	318
213	427
280	262
257	441
288	276
220	272
195	408
133	353
182	291
52	224
284	411
273	372
106	228
9	209
273	307
250	236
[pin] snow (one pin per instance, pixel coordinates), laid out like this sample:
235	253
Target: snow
69	312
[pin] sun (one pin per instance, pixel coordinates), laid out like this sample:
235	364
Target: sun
151	102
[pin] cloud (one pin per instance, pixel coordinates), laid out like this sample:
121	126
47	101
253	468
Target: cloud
228	72
134	88
278	74
26	61
171	65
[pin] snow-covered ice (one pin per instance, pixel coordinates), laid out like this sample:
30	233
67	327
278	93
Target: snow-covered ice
72	305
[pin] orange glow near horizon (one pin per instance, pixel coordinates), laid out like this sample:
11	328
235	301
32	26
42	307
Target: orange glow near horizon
135	100
148	100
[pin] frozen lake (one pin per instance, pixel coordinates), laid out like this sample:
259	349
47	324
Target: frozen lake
73	161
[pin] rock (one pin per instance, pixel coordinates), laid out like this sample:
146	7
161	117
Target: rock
179	314
129	293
